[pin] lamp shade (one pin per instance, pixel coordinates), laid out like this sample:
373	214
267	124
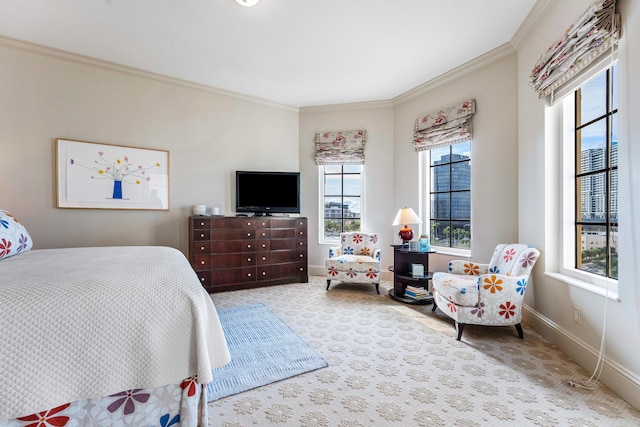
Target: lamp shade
406	216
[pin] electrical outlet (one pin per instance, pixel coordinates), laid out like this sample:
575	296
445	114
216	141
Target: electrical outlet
577	315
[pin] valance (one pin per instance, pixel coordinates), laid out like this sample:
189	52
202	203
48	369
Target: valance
340	147
595	32
446	127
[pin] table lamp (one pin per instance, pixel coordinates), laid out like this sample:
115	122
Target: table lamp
404	217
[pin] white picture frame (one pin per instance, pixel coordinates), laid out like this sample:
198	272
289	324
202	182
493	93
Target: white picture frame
92	175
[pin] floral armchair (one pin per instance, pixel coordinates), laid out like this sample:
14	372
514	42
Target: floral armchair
356	260
486	294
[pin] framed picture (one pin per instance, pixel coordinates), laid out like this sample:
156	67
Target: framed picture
91	175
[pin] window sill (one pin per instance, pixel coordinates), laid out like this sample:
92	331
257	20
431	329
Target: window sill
459	253
610	292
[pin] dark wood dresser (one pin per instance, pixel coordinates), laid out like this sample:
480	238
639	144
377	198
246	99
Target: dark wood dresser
231	253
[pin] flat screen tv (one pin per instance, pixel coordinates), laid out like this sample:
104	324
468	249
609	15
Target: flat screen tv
265	193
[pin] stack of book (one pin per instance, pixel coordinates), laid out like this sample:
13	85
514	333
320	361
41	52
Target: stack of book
416	293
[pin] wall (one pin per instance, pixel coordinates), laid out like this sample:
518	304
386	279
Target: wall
494	153
379	208
48	94
551	302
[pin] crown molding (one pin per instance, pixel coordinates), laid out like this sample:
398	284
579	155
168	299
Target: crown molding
455	73
348	106
98	63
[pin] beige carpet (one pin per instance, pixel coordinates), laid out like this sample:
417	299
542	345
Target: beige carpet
391	364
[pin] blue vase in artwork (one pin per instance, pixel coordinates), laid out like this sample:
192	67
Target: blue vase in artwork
117	189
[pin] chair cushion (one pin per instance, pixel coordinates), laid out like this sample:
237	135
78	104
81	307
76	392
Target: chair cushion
459	289
360	263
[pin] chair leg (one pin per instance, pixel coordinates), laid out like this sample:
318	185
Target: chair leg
459	328
328	283
519	329
378	288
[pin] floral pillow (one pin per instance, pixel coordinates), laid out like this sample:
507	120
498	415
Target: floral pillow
14	238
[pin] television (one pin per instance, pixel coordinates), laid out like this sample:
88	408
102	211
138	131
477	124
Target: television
265	193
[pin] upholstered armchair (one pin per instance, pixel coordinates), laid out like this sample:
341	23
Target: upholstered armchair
356	260
486	294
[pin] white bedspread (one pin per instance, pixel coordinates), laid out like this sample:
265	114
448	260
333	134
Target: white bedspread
80	323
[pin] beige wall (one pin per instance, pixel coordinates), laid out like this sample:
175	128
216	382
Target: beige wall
494	150
379	208
208	133
551	302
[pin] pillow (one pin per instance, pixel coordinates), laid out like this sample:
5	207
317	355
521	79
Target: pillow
14	238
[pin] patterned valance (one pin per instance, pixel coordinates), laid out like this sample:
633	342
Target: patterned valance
591	36
340	147
446	127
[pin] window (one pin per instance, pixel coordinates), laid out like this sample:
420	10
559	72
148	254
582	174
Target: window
450	196
596	175
342	199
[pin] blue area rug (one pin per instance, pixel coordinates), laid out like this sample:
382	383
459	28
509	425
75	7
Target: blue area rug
263	350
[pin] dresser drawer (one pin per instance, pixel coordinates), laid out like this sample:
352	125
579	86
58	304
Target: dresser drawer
279	244
200	247
201	262
231	246
201	223
233	234
283	256
233	223
233	275
283	233
204	277
199	235
233	260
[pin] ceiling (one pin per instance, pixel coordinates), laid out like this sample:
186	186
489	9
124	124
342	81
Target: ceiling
294	52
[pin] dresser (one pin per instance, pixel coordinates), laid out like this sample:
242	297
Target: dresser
231	253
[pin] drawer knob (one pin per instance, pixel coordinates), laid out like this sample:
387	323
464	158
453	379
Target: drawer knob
301	256
202	248
202	224
202	235
249	246
301	233
202	262
249	223
301	269
264	246
202	279
264	273
248	259
264	258
264	234
248	274
248	234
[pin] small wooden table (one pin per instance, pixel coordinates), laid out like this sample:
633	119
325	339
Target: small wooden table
402	274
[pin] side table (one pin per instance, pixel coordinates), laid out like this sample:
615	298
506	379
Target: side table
402	274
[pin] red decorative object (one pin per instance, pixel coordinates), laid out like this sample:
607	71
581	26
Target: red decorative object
406	234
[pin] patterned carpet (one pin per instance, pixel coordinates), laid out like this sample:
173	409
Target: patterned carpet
392	364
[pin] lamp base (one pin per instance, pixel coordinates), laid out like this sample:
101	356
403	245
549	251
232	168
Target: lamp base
406	234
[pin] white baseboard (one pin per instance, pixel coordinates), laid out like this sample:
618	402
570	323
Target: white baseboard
615	376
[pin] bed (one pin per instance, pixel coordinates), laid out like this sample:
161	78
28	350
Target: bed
103	335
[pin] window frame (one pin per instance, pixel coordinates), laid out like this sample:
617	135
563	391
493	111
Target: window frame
426	192
322	239
569	209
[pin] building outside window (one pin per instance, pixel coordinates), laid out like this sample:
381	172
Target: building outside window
450	196
342	199
596	175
